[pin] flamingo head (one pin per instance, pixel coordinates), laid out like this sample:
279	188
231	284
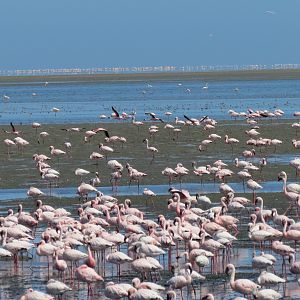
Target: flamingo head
229	269
281	175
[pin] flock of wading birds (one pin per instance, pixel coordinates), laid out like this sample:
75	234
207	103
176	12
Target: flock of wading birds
81	246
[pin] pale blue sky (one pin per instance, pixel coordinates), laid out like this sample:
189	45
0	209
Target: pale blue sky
109	33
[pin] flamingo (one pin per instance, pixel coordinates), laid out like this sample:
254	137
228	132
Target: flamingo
265	294
21	143
4	252
36	125
179	122
90	261
181	171
253	185
115	165
55	287
283	250
295	163
292	234
231	141
135	175
136	282
261	262
248	153
252	133
200	171
14	130
14	246
267	278
290	195
95	156
33	295
153	117
26	219
56	152
114	178
118	258
149	194
81	172
59	264
116	291
146	264
45	249
143	294
55	110
34	192
138	124
243	286
84	189
180	281
43	135
170	173
294	266
105	149
275	143
9	143
96	180
152	150
89	275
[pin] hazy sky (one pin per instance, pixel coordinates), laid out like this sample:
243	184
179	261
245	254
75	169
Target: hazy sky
109	33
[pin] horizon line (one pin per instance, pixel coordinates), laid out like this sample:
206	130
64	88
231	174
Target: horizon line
146	69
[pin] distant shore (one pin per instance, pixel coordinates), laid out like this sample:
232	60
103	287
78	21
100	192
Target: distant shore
170	76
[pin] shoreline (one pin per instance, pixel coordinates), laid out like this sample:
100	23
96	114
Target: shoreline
289	74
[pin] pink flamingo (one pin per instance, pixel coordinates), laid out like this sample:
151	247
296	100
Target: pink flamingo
243	286
89	275
32	295
90	261
47	250
231	141
59	264
292	234
116	291
9	143
143	294
170	173
283	250
55	287
181	281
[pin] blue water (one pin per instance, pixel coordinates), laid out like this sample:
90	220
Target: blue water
160	189
84	102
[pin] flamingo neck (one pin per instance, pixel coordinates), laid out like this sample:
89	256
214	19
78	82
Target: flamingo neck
284	185
4	238
261	214
292	259
107	214
20	212
232	277
284	229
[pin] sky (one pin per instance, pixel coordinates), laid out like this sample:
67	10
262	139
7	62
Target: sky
127	33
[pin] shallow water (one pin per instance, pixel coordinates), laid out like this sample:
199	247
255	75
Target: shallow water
193	188
81	103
